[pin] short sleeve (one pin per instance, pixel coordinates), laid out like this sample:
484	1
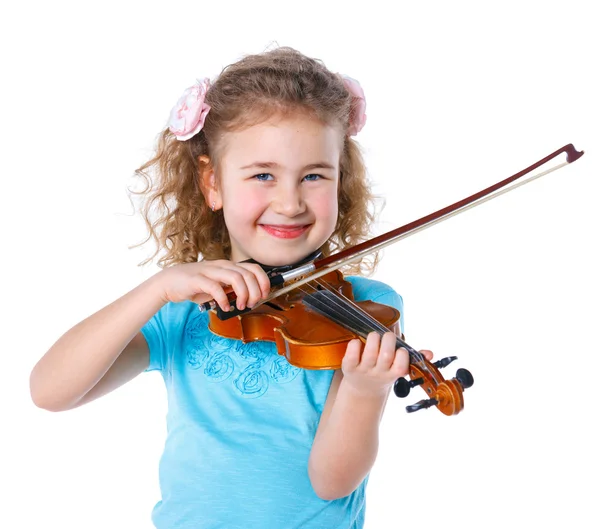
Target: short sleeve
164	333
155	334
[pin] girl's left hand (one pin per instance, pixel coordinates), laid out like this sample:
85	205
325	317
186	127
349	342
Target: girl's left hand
375	370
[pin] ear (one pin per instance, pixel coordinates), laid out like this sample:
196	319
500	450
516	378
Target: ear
208	182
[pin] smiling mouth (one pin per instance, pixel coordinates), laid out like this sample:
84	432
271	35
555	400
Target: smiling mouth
285	232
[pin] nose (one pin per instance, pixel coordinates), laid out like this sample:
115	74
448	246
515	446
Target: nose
288	200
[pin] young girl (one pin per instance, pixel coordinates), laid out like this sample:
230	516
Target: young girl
257	166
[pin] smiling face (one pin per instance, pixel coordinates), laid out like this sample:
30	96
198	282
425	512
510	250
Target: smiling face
278	187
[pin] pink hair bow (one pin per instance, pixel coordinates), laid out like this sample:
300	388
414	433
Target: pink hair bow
358	118
188	115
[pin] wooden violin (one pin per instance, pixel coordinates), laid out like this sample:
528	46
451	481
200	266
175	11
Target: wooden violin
311	314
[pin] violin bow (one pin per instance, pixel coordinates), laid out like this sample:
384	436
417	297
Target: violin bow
318	268
446	395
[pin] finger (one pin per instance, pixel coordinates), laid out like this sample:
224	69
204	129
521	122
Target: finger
352	356
248	288
259	285
229	274
371	351
387	352
255	282
207	289
261	276
427	353
401	363
235	278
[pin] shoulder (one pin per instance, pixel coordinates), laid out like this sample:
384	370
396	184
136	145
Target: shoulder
365	288
168	328
171	317
176	312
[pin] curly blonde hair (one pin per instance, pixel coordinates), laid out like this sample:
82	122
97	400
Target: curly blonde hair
247	92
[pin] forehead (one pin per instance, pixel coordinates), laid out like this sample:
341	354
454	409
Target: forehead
286	140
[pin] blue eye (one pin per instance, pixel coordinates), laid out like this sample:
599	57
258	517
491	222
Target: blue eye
312	177
263	177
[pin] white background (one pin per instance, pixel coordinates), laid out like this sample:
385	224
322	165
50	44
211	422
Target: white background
459	95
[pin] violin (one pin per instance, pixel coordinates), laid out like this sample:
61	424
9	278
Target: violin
311	314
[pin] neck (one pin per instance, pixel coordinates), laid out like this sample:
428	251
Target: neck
275	270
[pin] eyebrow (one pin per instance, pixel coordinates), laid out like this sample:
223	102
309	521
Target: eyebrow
274	165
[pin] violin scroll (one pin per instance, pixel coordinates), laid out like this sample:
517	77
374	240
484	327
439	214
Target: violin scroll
446	395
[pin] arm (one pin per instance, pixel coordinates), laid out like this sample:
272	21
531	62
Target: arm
99	354
347	439
107	349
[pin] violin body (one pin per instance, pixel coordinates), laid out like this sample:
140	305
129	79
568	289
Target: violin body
310	340
307	340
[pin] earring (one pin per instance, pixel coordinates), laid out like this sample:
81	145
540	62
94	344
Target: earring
213	206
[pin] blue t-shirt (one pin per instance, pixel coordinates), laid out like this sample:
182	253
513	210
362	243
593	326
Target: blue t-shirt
240	425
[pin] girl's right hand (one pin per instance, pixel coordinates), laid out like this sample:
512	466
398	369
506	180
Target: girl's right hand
206	280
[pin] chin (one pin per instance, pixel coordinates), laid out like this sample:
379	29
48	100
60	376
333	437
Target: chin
281	261
282	257
278	253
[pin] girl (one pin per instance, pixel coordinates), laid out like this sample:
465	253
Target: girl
255	167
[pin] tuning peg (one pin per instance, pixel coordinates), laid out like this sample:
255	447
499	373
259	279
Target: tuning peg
402	386
465	378
421	405
443	362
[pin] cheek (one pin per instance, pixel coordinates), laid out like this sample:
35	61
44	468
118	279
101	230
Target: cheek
243	203
327	207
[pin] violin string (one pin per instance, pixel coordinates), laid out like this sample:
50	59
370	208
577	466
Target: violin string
360	318
352	310
367	318
324	307
372	324
347	305
318	304
360	328
343	315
